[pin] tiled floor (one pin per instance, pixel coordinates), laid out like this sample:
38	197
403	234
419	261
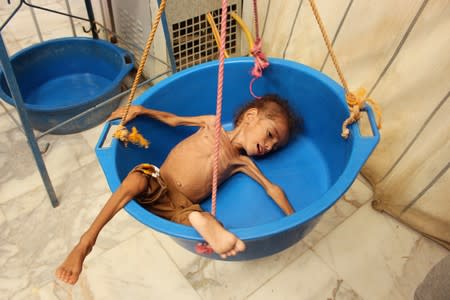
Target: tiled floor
353	253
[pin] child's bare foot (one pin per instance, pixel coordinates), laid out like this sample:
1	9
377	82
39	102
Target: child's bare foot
221	241
70	269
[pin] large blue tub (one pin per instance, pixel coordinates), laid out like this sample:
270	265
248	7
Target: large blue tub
314	170
61	78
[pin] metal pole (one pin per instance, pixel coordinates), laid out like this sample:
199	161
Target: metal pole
168	40
17	96
90	13
69	11
36	24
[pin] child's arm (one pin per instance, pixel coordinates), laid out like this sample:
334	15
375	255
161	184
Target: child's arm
162	116
247	166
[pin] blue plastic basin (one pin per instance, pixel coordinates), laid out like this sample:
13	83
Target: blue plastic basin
314	169
61	78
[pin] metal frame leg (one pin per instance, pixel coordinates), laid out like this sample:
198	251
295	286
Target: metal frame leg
20	106
168	40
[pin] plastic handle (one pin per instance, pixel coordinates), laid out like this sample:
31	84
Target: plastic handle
128	63
373	122
106	132
365	145
127	58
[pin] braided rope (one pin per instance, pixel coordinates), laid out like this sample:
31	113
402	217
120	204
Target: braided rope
260	58
218	123
356	100
255	19
122	133
329	46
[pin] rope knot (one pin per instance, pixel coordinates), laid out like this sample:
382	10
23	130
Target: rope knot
260	64
133	137
356	102
260	59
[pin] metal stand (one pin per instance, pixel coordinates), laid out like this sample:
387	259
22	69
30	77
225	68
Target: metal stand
20	106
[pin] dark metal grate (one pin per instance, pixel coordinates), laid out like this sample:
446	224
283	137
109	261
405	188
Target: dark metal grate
193	41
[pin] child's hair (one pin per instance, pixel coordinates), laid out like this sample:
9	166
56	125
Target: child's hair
272	106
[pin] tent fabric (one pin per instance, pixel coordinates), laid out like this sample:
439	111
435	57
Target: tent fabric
398	50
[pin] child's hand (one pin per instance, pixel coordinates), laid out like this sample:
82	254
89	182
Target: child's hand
134	111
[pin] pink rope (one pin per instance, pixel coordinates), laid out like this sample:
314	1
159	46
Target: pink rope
218	127
255	18
204	248
260	58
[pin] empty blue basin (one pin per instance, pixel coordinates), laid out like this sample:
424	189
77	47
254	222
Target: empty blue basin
61	78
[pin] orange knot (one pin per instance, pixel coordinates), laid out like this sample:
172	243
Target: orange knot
133	137
356	102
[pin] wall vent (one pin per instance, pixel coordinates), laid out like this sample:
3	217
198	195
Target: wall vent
193	40
190	35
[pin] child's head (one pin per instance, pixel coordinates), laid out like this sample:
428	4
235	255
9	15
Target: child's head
269	123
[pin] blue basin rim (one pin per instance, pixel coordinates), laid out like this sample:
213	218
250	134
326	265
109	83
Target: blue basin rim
361	150
127	65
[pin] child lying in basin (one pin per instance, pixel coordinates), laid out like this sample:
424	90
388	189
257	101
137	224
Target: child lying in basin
184	180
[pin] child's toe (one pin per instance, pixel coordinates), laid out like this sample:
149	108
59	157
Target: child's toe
240	246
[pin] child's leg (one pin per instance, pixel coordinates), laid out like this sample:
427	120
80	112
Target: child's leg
221	240
183	211
134	184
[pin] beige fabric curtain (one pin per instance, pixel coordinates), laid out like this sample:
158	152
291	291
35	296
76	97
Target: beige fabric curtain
399	51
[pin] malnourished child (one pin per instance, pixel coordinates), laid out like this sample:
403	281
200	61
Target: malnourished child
184	179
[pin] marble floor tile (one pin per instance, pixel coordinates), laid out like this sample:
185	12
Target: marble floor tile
10	41
334	216
19	173
13	47
66	31
135	269
377	256
28	41
91	136
215	279
36	237
359	193
306	278
21	25
51	21
5	8
65	154
6	123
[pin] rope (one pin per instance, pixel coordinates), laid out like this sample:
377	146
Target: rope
204	248
355	101
255	19
122	132
218	123
260	58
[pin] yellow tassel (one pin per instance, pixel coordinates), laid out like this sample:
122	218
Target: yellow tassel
133	137
136	138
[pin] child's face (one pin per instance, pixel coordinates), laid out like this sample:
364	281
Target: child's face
263	135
